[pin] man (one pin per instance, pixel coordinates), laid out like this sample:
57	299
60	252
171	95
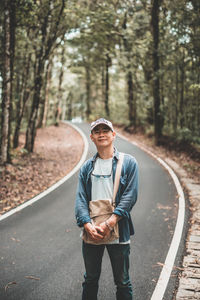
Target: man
96	180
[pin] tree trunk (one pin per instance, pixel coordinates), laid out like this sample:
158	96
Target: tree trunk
69	106
103	83
7	85
88	92
42	118
31	129
59	100
131	111
12	59
182	82
175	114
156	80
24	96
129	76
46	94
108	64
198	97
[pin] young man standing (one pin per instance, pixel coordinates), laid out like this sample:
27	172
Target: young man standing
96	180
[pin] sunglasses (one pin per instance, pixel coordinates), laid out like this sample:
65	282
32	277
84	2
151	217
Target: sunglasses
103	176
99	176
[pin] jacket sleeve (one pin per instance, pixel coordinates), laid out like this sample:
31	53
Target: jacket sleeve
129	191
81	205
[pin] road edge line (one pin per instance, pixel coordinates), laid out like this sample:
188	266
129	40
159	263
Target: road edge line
164	277
58	183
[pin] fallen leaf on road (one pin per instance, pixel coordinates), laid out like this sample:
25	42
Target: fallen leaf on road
32	277
160	264
160	206
8	285
178	268
14	239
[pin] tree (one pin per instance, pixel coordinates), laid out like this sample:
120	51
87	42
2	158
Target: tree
136	62
60	91
128	43
96	49
179	55
156	68
50	29
9	50
24	96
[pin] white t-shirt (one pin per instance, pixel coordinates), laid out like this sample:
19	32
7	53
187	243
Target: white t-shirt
102	186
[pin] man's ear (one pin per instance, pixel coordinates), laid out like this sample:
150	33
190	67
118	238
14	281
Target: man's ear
91	136
114	134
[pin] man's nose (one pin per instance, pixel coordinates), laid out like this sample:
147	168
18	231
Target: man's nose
101	132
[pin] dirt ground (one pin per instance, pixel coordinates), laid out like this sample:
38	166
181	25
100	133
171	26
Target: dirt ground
186	156
56	151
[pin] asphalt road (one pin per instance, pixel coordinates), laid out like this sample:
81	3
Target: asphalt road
40	248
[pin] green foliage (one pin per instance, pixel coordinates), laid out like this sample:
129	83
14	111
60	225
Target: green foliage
186	135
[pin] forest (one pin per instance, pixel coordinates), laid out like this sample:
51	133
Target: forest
135	62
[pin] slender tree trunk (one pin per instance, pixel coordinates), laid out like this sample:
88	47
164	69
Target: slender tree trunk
156	80
31	129
59	100
69	106
175	119
24	96
182	81
19	119
12	53
47	87
88	92
7	81
108	64
103	83
129	77
64	109
132	107
42	118
198	97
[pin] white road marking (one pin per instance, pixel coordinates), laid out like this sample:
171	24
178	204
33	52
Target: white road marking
57	184
163	280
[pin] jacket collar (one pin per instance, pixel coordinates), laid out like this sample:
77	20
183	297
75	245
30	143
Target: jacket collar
115	155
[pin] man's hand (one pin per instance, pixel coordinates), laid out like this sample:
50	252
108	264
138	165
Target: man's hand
103	229
106	227
94	232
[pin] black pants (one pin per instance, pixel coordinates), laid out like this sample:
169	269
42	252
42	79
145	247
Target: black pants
119	257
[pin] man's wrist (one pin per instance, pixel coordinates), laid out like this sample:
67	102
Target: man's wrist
87	224
108	225
113	220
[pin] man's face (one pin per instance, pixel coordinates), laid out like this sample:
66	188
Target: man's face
102	136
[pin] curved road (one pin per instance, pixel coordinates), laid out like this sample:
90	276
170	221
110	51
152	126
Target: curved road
40	248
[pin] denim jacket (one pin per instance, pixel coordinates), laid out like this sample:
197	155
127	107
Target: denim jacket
125	199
